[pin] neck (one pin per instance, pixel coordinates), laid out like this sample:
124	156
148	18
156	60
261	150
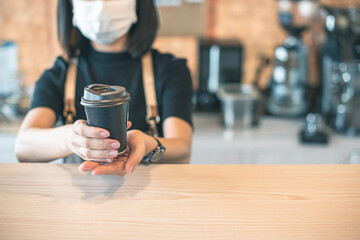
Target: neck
117	46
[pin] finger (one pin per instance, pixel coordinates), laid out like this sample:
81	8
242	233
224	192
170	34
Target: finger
93	155
82	128
95	143
129	124
137	152
88	166
114	168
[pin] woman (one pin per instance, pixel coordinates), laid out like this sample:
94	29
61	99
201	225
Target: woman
108	38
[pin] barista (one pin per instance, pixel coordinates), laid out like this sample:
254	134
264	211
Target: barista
108	38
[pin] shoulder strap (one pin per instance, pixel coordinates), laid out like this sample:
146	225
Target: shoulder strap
69	95
152	116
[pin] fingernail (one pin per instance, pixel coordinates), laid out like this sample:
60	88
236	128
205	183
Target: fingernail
115	144
113	153
83	170
131	169
104	134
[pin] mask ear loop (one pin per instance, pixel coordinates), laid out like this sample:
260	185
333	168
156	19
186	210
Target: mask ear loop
160	16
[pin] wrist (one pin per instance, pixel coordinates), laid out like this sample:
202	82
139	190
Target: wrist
68	138
150	144
156	153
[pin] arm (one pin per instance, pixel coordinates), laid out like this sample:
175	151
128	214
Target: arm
177	141
37	141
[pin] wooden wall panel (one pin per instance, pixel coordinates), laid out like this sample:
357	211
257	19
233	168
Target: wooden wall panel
254	23
32	24
341	3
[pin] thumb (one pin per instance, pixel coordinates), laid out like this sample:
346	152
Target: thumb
136	146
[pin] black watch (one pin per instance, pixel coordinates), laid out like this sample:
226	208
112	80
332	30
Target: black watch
156	154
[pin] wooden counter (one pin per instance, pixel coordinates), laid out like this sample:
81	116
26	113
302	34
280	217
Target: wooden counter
48	201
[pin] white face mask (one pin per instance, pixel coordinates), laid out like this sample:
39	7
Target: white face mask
104	21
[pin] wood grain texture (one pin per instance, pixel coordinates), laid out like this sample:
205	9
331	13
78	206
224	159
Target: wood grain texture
46	201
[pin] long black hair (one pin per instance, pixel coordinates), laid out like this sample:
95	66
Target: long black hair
141	34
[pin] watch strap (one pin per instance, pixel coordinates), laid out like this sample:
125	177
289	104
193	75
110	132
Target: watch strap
159	148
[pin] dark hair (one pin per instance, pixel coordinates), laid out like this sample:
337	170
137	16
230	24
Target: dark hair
141	34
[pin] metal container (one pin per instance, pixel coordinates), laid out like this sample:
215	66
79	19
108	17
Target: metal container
240	105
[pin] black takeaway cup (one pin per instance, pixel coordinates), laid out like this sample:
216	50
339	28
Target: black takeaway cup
108	107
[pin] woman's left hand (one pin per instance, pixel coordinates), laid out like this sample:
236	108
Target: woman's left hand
126	163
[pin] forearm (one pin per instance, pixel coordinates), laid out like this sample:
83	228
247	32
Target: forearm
42	145
177	150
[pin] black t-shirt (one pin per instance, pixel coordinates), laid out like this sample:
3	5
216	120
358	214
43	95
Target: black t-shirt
172	83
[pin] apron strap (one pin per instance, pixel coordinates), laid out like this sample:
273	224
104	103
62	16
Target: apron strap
69	95
152	116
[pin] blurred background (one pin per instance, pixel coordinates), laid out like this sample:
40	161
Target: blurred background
276	81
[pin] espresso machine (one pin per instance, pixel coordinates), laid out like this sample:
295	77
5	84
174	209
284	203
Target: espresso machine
287	91
340	56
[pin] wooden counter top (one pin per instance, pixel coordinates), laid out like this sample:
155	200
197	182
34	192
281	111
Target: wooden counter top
49	201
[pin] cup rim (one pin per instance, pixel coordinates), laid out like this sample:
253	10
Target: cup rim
105	103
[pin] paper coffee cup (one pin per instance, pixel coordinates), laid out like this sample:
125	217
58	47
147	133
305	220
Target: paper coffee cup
108	107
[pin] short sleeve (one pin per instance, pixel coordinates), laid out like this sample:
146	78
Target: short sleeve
49	89
177	91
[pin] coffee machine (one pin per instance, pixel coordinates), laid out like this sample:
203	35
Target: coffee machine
220	61
340	56
289	81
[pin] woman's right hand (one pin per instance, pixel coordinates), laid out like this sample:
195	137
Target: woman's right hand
92	143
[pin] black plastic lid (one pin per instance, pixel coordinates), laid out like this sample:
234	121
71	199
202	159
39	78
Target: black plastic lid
101	95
